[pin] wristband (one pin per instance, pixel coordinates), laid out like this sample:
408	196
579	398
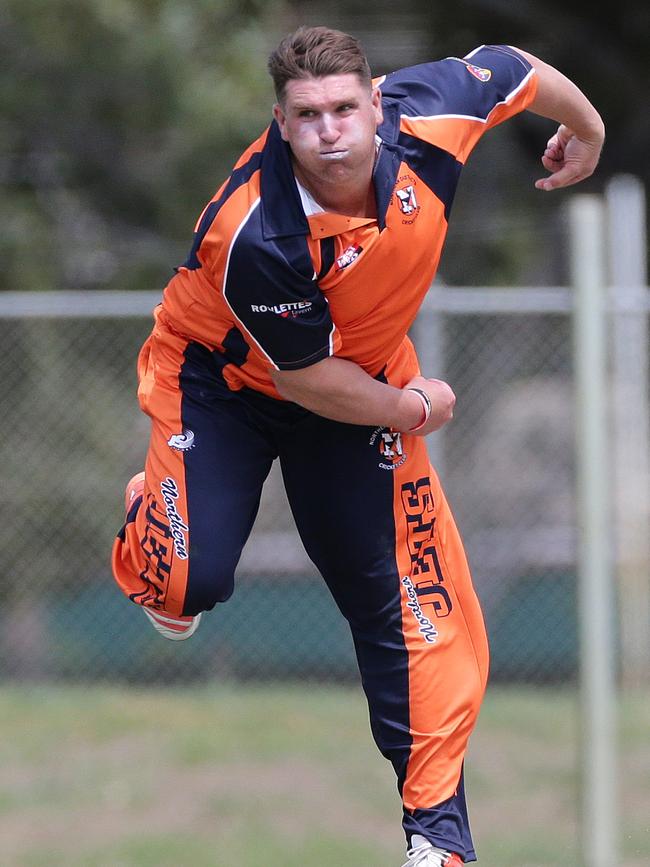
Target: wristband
426	406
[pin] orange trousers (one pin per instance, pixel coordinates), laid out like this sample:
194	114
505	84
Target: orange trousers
372	516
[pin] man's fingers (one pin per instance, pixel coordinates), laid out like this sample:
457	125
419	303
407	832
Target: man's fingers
554	149
551	163
568	159
564	177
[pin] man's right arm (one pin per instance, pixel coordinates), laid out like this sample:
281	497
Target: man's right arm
341	390
572	154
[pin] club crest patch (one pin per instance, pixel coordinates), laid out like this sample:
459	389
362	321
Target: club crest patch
407	199
391	450
479	72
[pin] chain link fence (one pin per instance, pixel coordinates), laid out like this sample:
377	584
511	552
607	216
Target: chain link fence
73	435
507	462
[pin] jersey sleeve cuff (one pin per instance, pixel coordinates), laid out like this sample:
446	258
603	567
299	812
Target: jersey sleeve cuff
305	362
325	352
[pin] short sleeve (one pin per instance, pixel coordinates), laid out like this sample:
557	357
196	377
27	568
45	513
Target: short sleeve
452	102
271	288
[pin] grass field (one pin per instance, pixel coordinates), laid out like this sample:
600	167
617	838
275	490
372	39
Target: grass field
281	777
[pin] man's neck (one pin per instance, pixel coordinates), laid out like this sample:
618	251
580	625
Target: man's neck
356	200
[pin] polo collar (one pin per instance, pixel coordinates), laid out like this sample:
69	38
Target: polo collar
328	224
325	224
281	207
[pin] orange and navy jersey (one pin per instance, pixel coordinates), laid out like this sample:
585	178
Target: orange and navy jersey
274	282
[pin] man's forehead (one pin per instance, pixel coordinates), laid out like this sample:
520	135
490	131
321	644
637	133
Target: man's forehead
299	91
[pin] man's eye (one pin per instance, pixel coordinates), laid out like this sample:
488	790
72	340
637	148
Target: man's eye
306	112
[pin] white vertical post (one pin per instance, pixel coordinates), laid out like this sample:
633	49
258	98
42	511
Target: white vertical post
595	591
631	427
427	333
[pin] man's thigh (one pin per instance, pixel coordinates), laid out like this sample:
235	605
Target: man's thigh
204	472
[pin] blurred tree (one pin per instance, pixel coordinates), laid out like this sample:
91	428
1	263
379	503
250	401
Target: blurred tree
603	48
118	118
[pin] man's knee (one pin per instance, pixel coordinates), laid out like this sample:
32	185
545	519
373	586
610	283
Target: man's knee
208	584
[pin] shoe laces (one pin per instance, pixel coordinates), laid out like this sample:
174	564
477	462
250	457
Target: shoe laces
426	855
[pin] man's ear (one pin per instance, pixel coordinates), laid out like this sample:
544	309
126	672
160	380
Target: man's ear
376	102
281	119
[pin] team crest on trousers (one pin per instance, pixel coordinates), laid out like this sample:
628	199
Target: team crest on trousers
391	450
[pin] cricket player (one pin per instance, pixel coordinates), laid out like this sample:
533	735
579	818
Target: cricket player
284	336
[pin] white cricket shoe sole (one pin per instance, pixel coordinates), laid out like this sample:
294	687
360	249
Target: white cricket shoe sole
172	628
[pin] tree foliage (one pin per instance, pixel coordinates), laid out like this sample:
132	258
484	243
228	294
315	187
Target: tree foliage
604	48
119	118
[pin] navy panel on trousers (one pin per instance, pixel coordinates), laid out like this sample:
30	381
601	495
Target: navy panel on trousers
224	472
450	821
343	508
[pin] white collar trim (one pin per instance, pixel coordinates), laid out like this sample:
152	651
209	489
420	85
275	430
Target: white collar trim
309	204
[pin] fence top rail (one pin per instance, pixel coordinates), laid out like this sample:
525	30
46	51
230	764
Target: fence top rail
83	304
459	300
481	299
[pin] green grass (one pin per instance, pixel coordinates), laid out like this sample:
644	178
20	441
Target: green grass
282	777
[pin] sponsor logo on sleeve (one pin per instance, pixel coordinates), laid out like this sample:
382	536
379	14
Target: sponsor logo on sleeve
479	72
290	309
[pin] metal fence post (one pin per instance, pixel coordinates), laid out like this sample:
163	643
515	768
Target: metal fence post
631	426
595	590
428	335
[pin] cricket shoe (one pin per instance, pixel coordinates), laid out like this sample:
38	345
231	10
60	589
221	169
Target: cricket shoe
425	854
134	488
171	627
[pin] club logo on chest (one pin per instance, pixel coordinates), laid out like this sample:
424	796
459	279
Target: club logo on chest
406	198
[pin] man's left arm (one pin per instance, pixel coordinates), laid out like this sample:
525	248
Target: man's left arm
572	154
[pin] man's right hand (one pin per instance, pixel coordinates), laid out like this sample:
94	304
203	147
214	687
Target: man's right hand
442	400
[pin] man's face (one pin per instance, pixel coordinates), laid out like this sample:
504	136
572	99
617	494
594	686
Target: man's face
330	125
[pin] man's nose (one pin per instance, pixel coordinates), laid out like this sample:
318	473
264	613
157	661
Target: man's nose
329	129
